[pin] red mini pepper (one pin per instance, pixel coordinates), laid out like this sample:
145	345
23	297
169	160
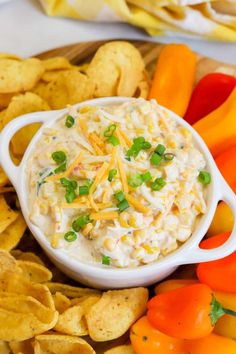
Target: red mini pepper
189	312
211	91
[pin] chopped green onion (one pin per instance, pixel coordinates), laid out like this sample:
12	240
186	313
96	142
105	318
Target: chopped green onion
155	159
110	131
83	190
80	222
146	145
59	157
70	236
138	145
61	168
135	181
160	149
73	184
106	260
158	184
204	177
120	196
70	195
70	121
112	173
146	176
123	205
128	158
113	140
65	182
168	156
88	183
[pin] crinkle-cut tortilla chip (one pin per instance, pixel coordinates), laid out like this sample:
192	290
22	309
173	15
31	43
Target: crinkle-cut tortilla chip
4	348
116	69
71	291
61	344
7	215
25	347
19	75
8	263
12	282
34	272
72	321
126	305
121	349
69	87
12	235
26	256
20	105
62	302
3	178
56	63
24	317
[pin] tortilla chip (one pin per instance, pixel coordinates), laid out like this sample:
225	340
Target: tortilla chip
5	99
41	90
62	303
61	344
12	235
126	305
16	283
8	263
7	215
17	76
3	178
35	272
110	67
10	56
26	256
24	317
25	347
4	348
122	349
20	105
56	63
72	321
71	291
69	87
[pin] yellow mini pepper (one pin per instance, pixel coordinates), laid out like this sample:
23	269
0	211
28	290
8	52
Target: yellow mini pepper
218	128
174	78
223	220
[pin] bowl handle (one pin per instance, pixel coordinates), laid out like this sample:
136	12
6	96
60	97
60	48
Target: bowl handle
6	135
197	254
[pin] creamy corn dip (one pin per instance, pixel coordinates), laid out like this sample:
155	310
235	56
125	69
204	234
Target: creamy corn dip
120	185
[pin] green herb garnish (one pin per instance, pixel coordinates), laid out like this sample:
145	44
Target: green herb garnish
70	121
160	149
138	144
112	173
106	260
204	177
120	196
158	184
59	157
70	186
123	205
113	140
135	181
83	190
110	131
61	168
70	236
80	222
155	159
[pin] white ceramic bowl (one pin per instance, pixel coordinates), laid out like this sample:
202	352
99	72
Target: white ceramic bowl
100	277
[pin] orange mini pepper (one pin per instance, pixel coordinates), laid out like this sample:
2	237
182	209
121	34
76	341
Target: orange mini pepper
174	77
220	274
226	163
212	344
189	312
145	339
218	128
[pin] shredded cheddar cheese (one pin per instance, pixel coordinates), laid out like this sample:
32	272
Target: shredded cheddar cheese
122	175
110	215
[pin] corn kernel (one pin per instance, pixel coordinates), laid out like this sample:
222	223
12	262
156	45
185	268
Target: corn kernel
132	221
137	253
109	244
122	221
84	109
55	240
86	230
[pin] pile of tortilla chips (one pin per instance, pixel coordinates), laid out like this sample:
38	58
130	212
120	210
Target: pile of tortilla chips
40	313
39	316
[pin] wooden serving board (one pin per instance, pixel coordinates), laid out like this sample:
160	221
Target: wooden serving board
83	52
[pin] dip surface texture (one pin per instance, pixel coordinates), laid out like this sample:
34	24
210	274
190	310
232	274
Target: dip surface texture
117	185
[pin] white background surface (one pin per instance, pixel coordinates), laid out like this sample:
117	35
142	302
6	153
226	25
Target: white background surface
26	30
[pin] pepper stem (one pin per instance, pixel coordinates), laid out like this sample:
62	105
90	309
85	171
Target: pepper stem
217	311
